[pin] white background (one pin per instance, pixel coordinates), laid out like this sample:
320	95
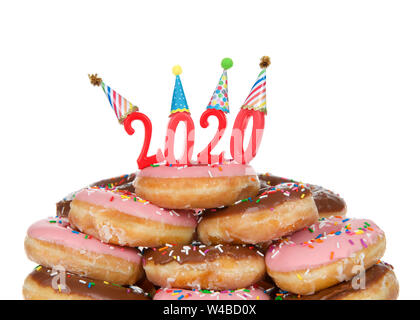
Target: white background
343	100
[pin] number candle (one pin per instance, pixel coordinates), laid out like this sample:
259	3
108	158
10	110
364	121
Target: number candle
143	160
254	107
217	107
179	113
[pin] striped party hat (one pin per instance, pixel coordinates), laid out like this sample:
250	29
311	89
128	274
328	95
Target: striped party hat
179	102
256	99
220	100
121	106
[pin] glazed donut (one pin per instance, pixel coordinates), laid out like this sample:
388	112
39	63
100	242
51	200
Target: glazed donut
46	284
380	283
52	243
121	218
276	212
324	254
124	182
250	293
204	267
196	186
327	202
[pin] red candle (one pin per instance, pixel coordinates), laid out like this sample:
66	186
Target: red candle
217	107
205	156
238	135
169	153
179	113
254	107
143	160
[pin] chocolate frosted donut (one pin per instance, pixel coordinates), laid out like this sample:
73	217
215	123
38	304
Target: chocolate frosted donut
327	202
204	267
275	212
39	286
124	182
380	284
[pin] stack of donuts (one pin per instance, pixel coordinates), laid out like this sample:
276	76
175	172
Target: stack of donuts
206	232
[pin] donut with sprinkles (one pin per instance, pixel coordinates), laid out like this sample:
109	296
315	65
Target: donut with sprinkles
197	266
122	218
324	254
277	211
52	242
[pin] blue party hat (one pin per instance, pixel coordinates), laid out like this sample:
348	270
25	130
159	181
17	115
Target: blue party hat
179	102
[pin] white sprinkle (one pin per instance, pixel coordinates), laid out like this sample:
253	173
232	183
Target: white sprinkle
211	176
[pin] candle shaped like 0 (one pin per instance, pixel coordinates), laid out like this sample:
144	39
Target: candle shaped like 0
217	107
254	107
179	113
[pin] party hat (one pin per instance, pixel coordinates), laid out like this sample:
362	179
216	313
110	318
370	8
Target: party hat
256	99
121	106
179	102
220	100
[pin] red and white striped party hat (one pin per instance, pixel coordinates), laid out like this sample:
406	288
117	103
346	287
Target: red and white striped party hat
121	106
256	100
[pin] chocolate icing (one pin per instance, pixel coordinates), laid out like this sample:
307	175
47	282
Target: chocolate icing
124	182
268	197
199	253
340	291
326	201
95	289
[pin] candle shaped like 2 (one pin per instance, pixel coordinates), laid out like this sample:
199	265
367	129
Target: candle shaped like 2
179	113
217	107
254	107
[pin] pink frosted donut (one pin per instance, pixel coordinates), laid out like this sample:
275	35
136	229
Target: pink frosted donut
52	243
196	186
239	294
324	254
120	217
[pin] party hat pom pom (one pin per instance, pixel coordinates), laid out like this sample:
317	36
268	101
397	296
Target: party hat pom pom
227	63
265	62
94	79
177	70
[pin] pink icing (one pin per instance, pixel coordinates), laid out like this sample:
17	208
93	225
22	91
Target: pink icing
340	238
229	169
240	294
58	231
129	203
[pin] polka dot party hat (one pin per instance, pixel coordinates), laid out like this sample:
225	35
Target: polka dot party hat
179	102
220	100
